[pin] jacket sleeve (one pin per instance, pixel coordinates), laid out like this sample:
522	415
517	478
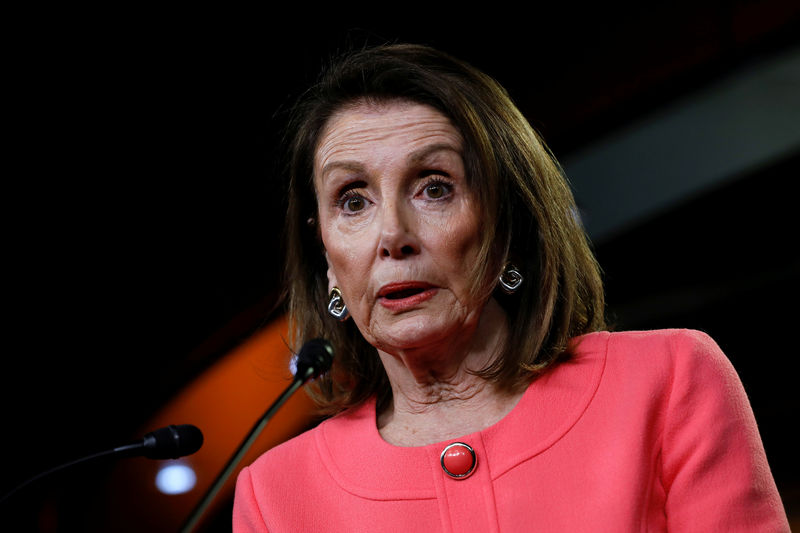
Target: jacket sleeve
714	468
246	514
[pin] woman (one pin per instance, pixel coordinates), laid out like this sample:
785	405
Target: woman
432	240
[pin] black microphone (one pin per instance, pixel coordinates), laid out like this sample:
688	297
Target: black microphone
314	359
169	442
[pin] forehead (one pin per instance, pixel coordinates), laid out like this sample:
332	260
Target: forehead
381	129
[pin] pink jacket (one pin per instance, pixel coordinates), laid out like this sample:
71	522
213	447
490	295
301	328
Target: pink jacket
640	431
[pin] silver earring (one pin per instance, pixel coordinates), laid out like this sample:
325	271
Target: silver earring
336	306
510	279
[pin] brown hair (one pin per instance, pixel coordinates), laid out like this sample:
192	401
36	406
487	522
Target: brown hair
527	210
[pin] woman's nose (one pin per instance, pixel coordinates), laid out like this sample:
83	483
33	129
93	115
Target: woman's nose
397	238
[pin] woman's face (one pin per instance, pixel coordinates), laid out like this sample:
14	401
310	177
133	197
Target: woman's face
398	222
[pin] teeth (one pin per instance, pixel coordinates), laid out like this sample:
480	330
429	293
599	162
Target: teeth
403	294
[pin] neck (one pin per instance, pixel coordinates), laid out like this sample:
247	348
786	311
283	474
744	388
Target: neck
436	395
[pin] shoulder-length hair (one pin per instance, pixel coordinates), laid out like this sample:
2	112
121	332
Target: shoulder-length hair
528	217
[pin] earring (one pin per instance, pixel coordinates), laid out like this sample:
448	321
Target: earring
510	279
336	305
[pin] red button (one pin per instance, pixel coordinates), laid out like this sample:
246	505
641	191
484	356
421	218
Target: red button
458	460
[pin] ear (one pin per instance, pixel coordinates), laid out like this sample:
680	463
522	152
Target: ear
331	276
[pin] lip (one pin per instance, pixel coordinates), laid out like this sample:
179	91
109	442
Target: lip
426	291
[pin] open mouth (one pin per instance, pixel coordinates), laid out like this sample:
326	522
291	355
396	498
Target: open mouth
405	293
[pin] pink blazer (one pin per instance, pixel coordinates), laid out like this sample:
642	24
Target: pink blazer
640	431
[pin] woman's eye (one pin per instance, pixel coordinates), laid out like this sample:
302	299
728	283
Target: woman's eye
436	190
353	203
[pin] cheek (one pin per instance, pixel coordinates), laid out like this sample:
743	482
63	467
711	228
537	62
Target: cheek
349	263
346	263
461	239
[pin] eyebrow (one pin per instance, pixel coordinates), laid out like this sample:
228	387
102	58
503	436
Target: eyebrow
353	166
414	158
423	153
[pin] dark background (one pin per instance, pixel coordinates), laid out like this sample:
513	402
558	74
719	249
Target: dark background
143	205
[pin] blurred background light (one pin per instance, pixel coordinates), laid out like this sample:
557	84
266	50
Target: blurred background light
175	478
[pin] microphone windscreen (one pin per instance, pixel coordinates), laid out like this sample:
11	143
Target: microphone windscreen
173	441
317	355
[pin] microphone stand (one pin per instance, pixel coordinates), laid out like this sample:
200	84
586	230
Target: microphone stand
304	373
104	453
169	442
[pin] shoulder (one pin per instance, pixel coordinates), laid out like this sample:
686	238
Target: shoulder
283	478
658	341
673	348
676	367
281	466
291	450
274	472
688	354
683	371
299	457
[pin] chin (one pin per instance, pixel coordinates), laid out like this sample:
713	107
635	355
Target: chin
416	332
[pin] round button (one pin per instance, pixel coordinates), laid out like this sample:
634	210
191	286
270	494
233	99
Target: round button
459	460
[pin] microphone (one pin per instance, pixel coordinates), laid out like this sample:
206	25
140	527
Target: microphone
168	442
314	359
